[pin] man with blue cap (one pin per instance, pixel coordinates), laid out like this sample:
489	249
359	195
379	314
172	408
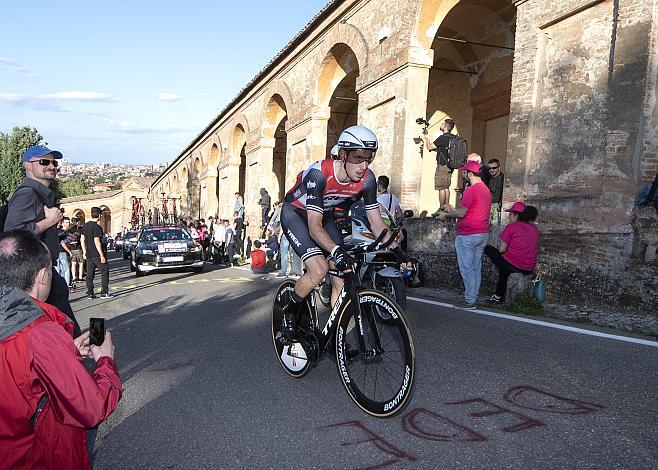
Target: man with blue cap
32	208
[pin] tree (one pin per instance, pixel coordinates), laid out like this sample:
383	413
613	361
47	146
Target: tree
12	148
69	188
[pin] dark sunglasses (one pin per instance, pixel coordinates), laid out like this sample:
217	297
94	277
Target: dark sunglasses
493	168
45	162
358	160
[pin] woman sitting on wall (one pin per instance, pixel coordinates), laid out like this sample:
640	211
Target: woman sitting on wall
519	245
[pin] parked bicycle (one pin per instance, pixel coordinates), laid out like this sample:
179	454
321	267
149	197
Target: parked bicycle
375	356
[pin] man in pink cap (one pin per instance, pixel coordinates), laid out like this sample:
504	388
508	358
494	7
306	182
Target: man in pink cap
473	231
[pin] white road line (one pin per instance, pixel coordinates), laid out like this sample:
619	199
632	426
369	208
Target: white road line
542	323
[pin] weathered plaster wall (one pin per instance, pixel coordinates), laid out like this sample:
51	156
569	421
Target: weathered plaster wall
582	122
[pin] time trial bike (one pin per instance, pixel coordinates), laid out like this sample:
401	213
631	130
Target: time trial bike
374	355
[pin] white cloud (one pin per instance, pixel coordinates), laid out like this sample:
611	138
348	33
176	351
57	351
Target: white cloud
52	101
131	127
168	97
9	64
76	95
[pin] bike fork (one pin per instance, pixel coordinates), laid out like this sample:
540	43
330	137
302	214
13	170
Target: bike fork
359	316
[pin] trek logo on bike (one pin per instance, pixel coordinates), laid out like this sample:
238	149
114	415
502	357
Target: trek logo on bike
334	312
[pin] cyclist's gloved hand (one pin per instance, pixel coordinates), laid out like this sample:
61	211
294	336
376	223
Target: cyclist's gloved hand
402	256
343	259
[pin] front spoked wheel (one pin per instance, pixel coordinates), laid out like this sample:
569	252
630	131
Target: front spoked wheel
380	378
292	357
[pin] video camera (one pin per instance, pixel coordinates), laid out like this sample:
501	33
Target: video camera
423	122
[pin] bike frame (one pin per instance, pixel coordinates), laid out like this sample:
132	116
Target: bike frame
349	293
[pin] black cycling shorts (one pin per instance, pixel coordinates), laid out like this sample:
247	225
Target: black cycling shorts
295	228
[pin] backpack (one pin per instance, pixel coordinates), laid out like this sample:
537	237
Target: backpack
4	210
457	151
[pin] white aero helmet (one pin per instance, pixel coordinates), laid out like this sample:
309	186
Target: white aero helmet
334	152
358	137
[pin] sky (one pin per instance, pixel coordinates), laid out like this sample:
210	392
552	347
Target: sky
134	81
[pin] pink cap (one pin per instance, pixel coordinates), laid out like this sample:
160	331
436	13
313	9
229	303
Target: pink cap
518	206
472	166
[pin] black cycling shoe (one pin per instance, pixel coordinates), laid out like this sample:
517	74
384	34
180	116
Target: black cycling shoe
289	322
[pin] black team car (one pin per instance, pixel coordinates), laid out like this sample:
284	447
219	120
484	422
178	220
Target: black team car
163	248
126	247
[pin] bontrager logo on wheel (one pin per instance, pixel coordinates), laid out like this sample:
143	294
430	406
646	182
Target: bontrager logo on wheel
403	390
385	305
341	357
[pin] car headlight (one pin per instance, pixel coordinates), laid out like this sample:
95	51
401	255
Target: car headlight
145	251
196	248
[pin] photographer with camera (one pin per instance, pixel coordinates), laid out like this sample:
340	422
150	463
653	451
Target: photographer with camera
443	174
48	399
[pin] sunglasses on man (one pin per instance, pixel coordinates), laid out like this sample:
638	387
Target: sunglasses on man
45	162
359	159
493	168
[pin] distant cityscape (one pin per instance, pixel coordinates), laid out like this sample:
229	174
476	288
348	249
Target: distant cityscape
100	177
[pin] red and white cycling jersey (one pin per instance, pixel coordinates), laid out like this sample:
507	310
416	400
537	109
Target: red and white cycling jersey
317	188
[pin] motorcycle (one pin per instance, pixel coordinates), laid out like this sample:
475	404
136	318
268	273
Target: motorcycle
381	267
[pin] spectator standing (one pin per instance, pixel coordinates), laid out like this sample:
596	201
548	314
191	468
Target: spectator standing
93	251
473	232
48	399
229	242
484	171
496	184
518	249
238	215
284	257
387	200
73	242
32	208
275	221
219	246
265	203
258	259
64	260
443	174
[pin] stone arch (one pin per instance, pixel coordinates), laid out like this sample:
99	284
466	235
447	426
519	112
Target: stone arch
215	153
183	189
470	79
343	34
197	166
275	111
339	62
275	140
430	15
239	135
336	92
278	87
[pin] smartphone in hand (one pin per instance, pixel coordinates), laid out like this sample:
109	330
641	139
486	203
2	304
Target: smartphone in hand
96	331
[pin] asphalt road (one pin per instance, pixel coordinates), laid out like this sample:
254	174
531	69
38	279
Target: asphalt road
203	389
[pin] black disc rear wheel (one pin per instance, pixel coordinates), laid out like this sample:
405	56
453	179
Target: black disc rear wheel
379	381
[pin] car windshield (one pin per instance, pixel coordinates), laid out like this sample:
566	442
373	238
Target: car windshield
164	235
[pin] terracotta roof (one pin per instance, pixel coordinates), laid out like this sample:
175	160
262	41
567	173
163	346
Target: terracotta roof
326	10
144	181
91	197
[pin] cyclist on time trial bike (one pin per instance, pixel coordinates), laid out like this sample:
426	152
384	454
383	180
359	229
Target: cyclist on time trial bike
307	215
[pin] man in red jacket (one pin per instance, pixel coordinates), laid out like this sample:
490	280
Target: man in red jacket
48	399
